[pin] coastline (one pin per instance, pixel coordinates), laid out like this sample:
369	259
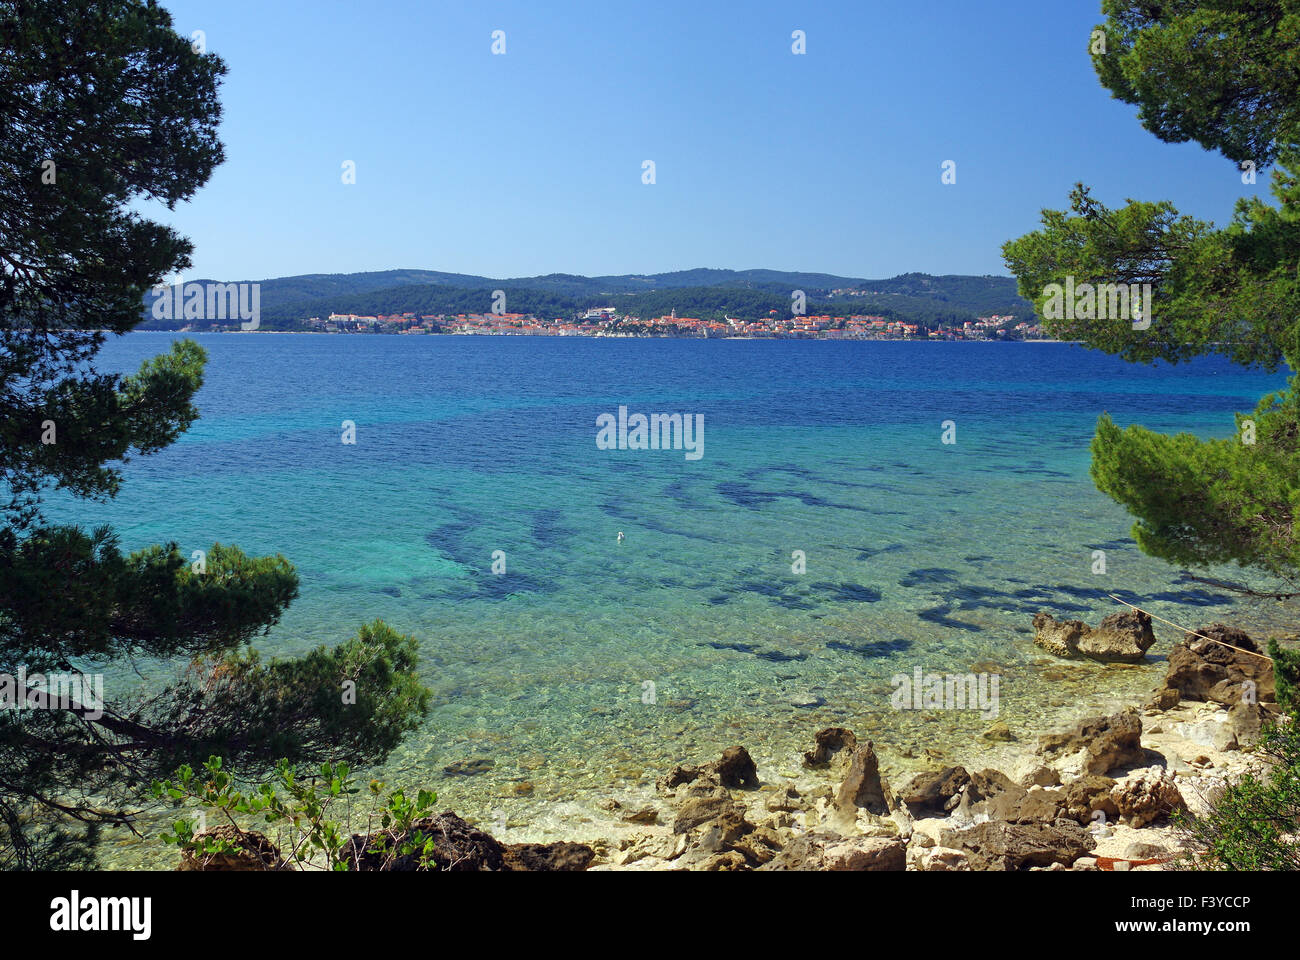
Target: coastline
588	336
1132	769
1094	792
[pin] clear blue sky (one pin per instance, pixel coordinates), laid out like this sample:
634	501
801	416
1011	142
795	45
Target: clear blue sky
530	162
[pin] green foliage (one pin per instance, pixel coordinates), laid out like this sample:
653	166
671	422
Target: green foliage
357	700
125	110
1223	73
1286	677
70	595
1231	291
1253	824
1201	502
298	808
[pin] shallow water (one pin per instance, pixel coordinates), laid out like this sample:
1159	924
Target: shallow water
918	553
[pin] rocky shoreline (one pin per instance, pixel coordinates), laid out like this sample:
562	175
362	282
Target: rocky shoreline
1095	795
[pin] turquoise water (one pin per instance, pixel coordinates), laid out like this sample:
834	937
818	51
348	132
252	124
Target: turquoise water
918	553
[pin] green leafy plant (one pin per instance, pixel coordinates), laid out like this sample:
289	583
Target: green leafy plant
300	808
1255	823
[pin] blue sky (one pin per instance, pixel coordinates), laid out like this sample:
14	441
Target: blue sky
531	162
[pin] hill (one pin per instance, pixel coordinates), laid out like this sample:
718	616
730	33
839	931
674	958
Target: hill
706	293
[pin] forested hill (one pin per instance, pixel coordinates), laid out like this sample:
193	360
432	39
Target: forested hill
705	293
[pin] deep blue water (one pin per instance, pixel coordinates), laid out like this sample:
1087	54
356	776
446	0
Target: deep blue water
918	552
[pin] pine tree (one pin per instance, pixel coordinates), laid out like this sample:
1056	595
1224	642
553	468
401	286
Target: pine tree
103	104
1225	75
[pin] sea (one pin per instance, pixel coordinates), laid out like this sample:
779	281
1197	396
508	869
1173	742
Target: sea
589	615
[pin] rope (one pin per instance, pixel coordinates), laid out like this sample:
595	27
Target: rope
1185	630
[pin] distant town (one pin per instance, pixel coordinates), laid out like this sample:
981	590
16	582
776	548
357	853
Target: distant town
607	322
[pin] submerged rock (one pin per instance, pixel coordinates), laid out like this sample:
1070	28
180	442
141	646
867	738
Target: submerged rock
469	768
548	857
1119	638
678	775
999	732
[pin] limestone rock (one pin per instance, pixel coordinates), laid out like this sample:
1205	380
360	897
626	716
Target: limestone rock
646	815
1214	731
934	793
1245	719
1166	698
678	775
642	846
821	851
1013	846
1032	773
1086	795
728	860
1058	637
736	768
1119	638
1046	805
698	810
941	860
1105	742
1202	670
1146	798
988	783
863	787
784	800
